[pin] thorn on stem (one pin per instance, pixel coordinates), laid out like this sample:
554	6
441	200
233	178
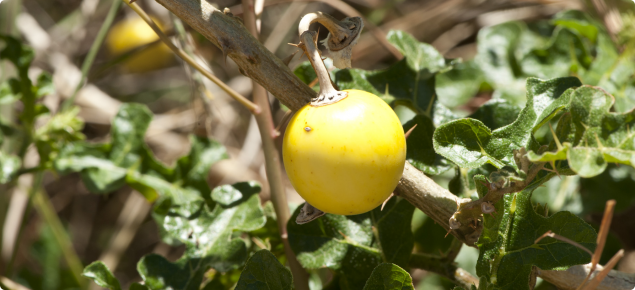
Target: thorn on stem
410	131
386	201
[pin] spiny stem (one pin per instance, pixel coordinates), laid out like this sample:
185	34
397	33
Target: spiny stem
328	94
253	108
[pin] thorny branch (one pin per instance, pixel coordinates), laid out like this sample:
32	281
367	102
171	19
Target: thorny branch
257	62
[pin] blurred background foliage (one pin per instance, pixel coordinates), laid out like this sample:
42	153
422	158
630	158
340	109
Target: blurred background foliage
486	50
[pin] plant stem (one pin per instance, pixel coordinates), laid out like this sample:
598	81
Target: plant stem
273	169
253	108
92	53
43	205
35	182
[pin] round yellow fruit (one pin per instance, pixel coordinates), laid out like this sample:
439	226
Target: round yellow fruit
345	158
132	33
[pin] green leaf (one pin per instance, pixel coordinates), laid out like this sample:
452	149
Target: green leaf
194	167
9	91
594	136
619	80
564	55
572	44
61	129
496	113
20	55
44	85
264	272
101	275
128	130
456	86
419	56
389	276
159	273
208	234
394	233
341	243
211	238
127	159
507	260
99	174
9	167
420	150
496	46
469	143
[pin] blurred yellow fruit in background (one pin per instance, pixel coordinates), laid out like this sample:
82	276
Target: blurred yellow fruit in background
131	33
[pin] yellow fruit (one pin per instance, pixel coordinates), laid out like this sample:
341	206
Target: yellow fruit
132	33
345	158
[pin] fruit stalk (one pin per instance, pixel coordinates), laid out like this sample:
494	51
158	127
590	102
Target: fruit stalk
343	35
328	94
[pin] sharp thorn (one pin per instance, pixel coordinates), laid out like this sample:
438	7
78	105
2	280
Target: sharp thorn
386	201
410	131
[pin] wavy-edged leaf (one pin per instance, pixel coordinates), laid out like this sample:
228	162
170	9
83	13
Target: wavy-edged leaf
9	91
210	237
20	55
264	272
388	276
419	56
507	261
341	243
469	143
592	136
207	233
101	275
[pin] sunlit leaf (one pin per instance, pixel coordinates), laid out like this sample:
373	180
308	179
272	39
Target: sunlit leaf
101	275
469	143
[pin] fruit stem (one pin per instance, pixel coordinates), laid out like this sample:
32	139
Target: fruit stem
341	39
328	94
